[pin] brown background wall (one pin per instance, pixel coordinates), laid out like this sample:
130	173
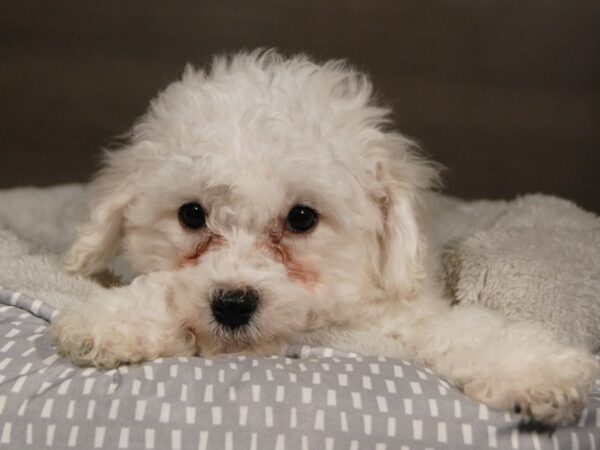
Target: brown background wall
505	93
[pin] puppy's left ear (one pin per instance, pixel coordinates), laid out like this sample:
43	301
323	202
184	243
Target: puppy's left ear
403	177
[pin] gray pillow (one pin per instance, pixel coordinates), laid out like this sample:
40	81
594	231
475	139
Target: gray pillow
315	398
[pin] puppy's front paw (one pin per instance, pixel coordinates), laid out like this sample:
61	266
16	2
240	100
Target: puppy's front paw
85	344
549	392
94	335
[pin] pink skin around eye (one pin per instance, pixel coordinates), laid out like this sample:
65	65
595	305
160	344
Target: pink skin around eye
212	242
297	270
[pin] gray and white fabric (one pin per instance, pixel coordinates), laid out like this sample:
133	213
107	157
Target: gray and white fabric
315	398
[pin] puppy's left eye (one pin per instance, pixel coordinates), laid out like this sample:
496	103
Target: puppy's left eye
301	219
192	216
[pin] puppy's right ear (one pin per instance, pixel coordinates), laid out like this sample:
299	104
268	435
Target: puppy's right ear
98	237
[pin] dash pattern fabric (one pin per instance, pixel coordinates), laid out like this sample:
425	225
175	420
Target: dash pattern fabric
315	398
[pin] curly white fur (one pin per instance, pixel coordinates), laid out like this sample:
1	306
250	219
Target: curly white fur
248	140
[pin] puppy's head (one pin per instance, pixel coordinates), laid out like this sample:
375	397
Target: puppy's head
271	192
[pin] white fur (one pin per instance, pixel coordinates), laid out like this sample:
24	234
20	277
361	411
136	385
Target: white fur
250	139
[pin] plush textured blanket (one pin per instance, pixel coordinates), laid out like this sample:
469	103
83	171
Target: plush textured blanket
537	258
314	397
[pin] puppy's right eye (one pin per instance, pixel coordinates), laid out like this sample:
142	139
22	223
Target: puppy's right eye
301	219
192	216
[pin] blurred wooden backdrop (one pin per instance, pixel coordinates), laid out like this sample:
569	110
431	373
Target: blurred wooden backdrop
505	93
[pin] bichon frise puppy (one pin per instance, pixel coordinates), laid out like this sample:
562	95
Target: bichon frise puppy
266	201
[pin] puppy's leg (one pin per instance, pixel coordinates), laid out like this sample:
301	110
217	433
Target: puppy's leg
356	341
506	365
123	325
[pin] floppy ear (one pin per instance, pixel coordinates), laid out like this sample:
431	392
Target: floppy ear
403	178
99	235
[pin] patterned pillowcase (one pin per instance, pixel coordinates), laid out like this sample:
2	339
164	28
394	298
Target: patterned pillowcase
315	398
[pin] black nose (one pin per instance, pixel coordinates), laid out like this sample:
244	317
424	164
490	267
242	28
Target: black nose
234	308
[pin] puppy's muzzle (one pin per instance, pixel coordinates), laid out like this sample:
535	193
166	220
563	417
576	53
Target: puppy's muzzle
234	308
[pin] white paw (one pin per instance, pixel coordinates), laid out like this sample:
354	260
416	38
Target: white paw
89	337
86	345
550	392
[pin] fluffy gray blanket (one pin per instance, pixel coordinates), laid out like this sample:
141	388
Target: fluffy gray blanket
535	258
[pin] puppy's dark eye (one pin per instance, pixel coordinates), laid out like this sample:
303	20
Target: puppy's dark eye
301	219
192	216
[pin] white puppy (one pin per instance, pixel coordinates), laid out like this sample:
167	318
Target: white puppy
266	202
